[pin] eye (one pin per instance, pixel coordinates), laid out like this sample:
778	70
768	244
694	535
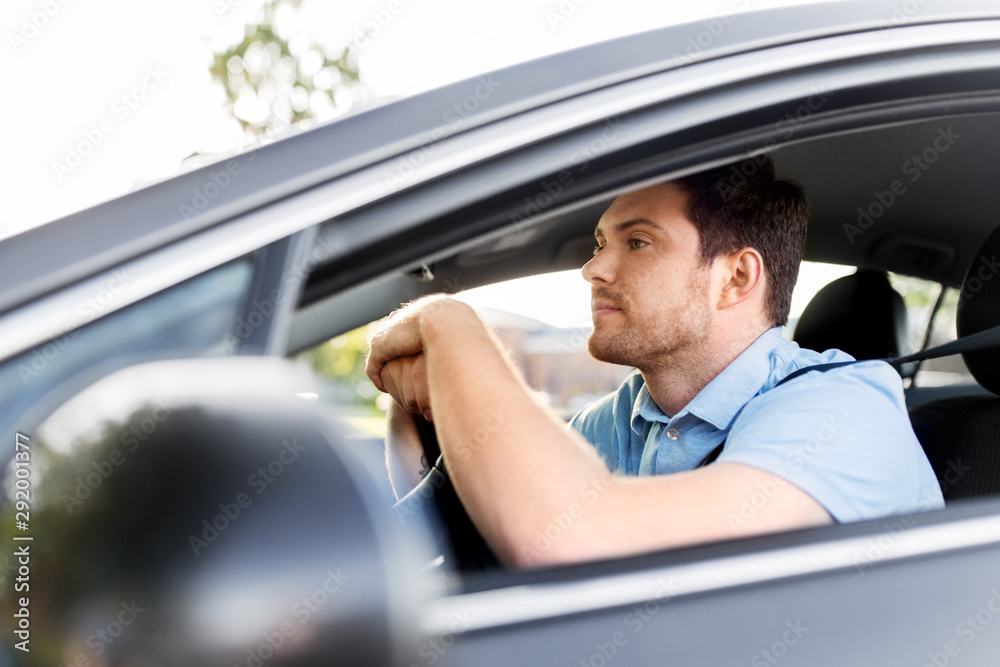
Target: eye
635	244
597	249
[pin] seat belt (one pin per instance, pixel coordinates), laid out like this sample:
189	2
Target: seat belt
978	341
819	368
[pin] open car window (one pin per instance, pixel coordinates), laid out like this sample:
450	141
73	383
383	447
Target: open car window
949	370
544	322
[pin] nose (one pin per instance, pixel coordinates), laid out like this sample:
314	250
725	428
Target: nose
600	269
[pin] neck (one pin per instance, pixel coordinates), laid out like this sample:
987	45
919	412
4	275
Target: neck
677	378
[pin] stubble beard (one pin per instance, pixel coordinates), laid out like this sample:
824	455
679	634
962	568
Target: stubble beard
659	338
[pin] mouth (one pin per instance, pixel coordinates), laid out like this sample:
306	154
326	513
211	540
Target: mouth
600	308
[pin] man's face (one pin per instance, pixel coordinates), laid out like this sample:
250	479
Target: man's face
649	287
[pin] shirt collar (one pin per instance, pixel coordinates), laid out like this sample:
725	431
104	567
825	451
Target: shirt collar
720	400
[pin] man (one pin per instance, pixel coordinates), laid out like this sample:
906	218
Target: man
691	282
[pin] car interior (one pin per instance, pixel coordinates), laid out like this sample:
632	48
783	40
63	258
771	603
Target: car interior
910	199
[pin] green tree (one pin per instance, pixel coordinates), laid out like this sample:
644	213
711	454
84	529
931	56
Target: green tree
343	357
276	77
341	360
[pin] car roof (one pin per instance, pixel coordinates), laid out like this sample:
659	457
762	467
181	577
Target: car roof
59	253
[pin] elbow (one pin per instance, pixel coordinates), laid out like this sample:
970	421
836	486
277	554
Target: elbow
563	540
561	529
531	556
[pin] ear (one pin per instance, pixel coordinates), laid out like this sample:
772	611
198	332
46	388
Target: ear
742	277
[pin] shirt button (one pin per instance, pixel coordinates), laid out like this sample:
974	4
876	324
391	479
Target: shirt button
673	433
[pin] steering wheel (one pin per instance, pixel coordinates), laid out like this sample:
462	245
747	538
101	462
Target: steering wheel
470	550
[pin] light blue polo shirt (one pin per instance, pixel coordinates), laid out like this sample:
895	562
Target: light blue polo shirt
843	435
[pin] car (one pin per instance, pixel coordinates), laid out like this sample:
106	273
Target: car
179	492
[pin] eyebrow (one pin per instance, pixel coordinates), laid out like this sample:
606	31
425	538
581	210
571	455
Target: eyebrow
622	226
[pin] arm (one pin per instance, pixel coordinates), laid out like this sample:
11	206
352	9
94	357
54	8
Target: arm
519	472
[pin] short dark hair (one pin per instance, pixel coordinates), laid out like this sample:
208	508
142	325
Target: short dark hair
745	205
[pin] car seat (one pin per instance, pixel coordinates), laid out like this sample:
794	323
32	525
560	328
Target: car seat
961	434
860	314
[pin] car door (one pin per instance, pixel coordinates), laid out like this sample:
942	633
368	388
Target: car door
913	589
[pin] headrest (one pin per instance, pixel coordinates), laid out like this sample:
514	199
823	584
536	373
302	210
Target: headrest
979	309
860	314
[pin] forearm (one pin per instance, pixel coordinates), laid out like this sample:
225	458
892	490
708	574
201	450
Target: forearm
513	464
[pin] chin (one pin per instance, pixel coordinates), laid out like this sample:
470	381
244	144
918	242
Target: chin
609	351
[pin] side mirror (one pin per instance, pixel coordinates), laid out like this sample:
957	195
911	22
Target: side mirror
199	513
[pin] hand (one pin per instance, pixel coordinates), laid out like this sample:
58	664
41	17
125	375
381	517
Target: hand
401	335
405	379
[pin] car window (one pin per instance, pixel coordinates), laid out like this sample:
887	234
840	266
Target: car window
813	276
191	318
544	321
949	370
920	297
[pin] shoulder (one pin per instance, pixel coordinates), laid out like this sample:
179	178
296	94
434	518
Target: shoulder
864	395
842	435
850	381
788	357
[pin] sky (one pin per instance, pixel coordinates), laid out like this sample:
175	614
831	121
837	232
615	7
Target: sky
127	83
